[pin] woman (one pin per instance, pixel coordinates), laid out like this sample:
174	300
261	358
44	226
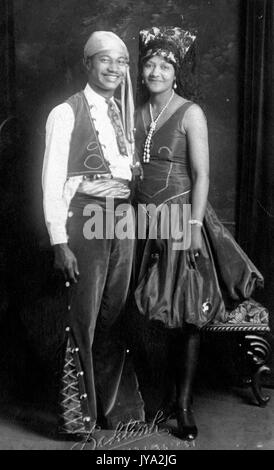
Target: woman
178	286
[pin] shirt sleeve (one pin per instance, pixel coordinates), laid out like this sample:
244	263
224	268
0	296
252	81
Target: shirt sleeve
59	127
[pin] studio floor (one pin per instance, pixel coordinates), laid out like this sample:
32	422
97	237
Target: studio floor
227	419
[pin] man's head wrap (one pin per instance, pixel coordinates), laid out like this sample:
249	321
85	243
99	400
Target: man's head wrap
101	41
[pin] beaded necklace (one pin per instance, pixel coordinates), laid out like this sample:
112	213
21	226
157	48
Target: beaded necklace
146	154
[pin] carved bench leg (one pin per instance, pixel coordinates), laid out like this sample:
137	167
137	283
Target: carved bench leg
256	351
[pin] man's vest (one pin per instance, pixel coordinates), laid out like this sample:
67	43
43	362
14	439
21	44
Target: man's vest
85	156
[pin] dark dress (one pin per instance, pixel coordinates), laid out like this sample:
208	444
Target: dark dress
167	289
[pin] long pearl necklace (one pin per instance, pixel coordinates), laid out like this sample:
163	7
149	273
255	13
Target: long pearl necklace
152	127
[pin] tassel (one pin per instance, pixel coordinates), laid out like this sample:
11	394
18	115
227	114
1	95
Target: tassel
127	104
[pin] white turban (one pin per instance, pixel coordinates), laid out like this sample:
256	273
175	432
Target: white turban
102	41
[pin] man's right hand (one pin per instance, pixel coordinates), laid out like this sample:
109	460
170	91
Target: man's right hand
65	261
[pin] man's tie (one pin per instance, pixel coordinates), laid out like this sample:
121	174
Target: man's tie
117	125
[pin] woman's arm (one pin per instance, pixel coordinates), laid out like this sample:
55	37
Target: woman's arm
195	126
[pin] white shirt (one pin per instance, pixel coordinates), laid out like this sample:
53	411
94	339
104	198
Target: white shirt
58	190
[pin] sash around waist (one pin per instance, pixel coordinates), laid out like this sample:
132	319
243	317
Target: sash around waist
105	187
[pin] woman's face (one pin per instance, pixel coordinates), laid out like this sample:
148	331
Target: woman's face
158	74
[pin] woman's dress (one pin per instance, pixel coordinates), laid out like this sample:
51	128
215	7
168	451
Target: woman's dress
168	289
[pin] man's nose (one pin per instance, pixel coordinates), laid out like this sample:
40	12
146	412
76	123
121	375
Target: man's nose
113	66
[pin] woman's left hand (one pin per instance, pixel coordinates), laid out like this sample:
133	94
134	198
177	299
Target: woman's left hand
195	247
137	170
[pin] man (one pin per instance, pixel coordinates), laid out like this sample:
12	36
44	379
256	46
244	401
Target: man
87	171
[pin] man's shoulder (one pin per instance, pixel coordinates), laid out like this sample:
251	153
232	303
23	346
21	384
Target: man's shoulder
62	111
74	99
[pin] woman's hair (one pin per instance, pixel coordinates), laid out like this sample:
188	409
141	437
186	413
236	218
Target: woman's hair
186	77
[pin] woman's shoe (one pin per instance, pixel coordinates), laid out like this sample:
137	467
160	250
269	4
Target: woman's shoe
187	429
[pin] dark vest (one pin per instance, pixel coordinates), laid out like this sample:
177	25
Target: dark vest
85	156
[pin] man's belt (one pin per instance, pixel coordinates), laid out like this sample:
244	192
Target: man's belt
106	176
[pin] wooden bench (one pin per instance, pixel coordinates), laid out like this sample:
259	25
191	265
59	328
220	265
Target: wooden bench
249	324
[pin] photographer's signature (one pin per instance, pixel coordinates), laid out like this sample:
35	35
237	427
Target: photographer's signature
123	434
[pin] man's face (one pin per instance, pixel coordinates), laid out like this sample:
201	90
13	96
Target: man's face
106	70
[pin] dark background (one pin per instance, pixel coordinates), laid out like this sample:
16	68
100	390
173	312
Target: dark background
42	65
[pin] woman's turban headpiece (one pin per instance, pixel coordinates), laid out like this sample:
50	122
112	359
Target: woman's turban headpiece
172	43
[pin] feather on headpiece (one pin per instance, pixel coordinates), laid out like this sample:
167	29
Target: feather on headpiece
172	43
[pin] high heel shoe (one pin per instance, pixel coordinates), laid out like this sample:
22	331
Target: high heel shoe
187	429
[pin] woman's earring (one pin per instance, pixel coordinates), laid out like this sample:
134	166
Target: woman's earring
175	85
143	81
